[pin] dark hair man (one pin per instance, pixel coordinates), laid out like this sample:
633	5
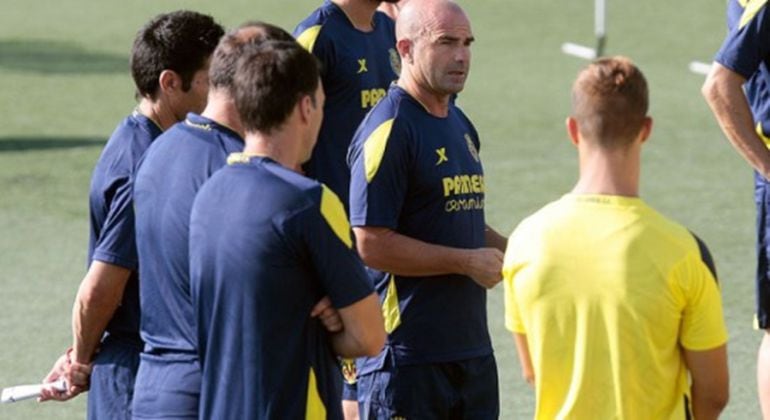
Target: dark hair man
169	65
266	244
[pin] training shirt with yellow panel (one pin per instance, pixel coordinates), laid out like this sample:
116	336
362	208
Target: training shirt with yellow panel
421	176
266	244
356	69
746	51
607	290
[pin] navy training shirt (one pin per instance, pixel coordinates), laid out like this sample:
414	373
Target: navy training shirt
356	69
421	176
746	51
171	173
266	244
112	234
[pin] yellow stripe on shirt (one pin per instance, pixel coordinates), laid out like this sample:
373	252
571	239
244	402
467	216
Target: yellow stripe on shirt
374	148
334	213
762	135
314	408
750	10
390	310
308	37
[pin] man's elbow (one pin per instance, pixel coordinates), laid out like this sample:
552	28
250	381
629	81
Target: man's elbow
710	90
374	345
375	336
717	400
720	84
710	397
93	299
88	298
370	246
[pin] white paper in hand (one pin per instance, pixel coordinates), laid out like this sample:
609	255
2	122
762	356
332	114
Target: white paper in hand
25	392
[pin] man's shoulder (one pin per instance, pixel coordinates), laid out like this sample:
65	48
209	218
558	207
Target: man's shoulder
127	144
132	131
384	24
317	17
546	217
264	174
671	231
323	22
381	119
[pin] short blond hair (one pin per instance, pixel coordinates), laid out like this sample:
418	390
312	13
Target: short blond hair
610	101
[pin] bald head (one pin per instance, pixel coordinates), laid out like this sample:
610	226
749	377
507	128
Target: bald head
231	47
433	38
418	17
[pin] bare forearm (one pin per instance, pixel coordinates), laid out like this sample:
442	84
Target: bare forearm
709	376
363	332
386	250
345	345
98	297
405	256
704	408
522	348
494	239
88	325
724	94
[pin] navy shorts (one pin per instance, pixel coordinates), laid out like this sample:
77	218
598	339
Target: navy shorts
762	200
167	388
465	389
112	380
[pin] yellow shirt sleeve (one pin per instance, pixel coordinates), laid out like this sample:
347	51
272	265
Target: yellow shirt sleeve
703	323
511	267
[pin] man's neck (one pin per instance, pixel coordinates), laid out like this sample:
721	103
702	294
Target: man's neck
435	104
359	12
158	112
609	173
221	108
278	146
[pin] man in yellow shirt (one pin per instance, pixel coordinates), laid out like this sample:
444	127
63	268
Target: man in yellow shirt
612	304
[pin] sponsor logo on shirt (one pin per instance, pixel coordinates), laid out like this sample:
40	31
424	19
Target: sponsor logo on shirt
362	66
441	152
472	147
469	185
370	97
395	61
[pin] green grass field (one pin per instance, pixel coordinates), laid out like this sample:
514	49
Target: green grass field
64	85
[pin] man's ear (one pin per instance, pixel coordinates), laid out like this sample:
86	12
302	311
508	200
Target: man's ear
306	107
646	129
573	130
405	50
169	80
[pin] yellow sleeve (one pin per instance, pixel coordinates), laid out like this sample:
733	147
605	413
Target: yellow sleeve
703	323
511	266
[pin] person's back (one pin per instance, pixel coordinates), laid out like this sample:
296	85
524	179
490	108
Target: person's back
358	65
111	219
164	191
615	309
612	289
277	359
276	285
169	66
172	171
174	168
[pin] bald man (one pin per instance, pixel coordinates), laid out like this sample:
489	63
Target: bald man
417	207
